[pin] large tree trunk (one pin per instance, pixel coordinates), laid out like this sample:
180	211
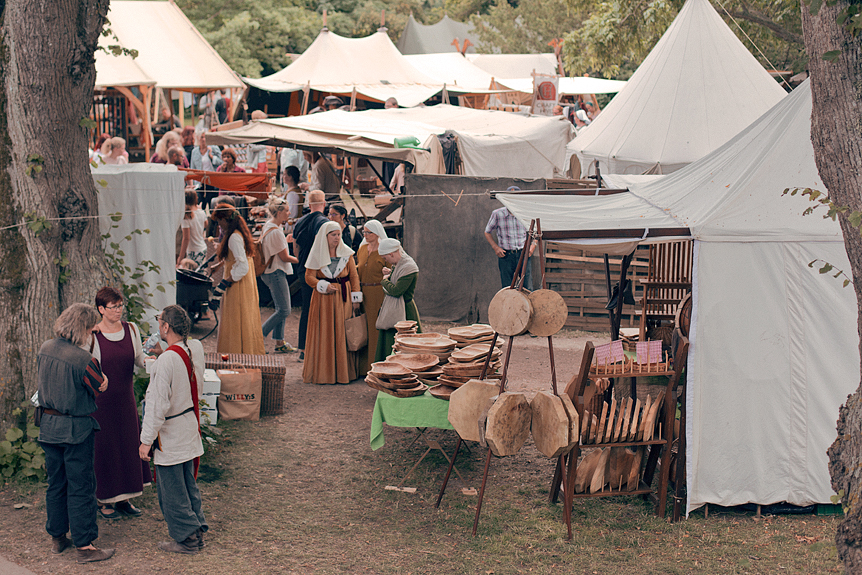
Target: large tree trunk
836	132
47	71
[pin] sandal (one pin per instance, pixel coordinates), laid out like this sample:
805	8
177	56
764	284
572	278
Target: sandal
126	508
107	511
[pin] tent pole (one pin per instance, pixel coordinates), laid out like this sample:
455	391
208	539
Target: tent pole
146	129
306	92
353	100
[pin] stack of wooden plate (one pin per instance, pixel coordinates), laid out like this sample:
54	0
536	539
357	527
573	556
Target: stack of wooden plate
425	366
476	333
394	379
467	363
406	326
425	343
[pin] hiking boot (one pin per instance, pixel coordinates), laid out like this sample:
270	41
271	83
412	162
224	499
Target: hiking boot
188	547
61	543
91	555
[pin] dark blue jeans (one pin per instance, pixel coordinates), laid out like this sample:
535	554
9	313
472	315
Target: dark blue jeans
508	264
70	500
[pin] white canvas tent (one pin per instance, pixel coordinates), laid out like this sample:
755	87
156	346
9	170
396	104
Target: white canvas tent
571	86
453	69
697	88
149	197
435	38
372	66
774	347
505	66
491	143
171	52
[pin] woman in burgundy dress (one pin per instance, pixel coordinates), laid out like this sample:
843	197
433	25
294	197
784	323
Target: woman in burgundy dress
120	473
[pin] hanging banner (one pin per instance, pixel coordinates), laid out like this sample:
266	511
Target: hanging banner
545	94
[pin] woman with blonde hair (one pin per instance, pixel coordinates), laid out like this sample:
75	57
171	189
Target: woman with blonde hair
113	151
168	141
330	271
239	329
278	268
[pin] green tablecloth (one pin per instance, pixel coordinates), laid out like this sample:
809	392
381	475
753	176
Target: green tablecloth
420	411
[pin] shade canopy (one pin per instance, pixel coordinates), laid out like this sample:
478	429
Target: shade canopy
697	88
371	65
490	143
505	66
435	38
775	350
172	54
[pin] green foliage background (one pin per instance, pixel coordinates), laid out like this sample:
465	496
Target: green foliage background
602	37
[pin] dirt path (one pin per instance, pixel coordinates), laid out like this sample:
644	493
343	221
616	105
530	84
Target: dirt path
304	493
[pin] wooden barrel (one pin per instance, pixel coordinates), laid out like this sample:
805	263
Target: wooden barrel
549	313
509	312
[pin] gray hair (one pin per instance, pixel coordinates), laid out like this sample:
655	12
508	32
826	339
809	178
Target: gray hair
76	322
276	205
178	320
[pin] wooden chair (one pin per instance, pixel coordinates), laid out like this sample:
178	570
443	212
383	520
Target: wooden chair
667	283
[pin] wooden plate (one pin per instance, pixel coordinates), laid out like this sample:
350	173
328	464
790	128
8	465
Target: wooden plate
442	391
418	390
393	383
415	361
509	312
549	313
389	368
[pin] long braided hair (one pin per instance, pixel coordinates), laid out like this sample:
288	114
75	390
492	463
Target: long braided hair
178	320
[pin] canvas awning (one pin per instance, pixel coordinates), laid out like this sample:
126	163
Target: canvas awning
171	52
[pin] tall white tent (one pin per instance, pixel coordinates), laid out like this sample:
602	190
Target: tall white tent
372	66
697	88
774	347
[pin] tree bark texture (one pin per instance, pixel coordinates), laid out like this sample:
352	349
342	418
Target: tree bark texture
48	71
836	132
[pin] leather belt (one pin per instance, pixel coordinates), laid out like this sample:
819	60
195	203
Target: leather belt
370	285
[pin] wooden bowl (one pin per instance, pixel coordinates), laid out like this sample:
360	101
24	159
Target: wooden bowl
415	361
442	391
389	368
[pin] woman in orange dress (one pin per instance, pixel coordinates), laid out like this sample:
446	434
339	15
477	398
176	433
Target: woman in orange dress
239	325
331	272
370	266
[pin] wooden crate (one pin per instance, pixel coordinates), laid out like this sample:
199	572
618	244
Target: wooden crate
579	277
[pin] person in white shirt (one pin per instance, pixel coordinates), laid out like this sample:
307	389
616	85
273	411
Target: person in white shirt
172	424
194	245
278	268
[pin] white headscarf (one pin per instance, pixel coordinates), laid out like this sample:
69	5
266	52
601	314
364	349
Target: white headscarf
376	228
319	258
388	245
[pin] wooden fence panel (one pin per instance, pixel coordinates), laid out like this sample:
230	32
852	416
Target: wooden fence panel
579	277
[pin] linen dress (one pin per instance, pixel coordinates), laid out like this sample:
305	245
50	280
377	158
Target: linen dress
370	270
327	360
120	473
239	324
404	287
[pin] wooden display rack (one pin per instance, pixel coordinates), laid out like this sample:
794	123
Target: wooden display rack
658	446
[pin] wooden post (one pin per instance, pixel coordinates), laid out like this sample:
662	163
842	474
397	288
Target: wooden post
306	90
353	100
146	129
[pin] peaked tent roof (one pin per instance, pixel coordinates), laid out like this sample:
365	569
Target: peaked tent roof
171	51
774	343
435	38
505	66
697	88
335	64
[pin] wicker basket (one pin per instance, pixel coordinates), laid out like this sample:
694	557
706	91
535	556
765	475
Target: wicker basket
271	372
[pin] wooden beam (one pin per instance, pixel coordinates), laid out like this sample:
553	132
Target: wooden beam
146	129
614	234
139	106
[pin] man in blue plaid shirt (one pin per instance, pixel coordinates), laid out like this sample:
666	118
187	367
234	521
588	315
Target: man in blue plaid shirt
511	236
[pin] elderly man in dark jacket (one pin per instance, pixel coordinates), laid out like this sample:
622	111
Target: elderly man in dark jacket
69	381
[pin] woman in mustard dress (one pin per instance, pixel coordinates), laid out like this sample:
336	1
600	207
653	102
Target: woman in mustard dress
239	325
370	266
331	272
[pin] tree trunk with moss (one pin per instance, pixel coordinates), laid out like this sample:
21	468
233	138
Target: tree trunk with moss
836	132
48	71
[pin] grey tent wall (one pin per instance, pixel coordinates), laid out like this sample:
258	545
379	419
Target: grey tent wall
458	273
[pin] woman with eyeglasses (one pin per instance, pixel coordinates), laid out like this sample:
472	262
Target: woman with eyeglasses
120	474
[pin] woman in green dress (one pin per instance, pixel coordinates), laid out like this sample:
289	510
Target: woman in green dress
398	283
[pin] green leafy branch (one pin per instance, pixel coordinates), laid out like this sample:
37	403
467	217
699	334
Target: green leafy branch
20	453
35	164
828	268
115	49
63	262
37	224
136	291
